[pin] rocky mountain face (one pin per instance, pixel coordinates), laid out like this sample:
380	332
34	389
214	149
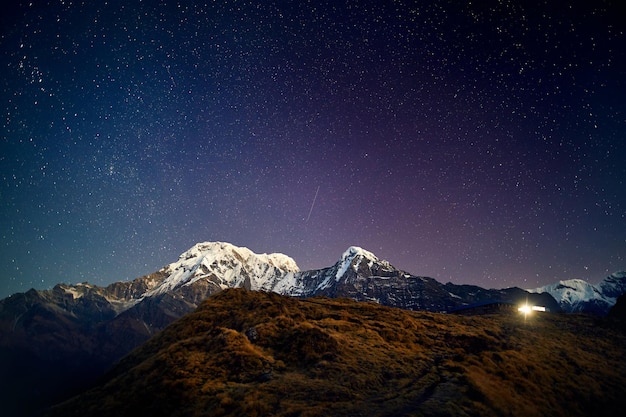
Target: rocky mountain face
579	296
53	343
70	334
362	276
250	353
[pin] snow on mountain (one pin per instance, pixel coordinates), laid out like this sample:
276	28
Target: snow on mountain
614	285
571	291
226	266
348	258
289	284
307	283
351	257
83	290
578	295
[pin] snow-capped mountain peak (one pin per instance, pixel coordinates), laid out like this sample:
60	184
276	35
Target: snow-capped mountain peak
225	265
358	259
571	291
348	257
218	250
354	251
578	294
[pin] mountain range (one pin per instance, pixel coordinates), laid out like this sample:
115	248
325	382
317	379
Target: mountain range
54	342
253	353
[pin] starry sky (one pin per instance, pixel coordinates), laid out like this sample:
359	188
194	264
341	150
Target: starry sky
473	142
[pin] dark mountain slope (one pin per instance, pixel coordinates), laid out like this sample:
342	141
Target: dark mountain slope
254	354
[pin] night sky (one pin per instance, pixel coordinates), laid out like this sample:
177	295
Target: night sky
473	142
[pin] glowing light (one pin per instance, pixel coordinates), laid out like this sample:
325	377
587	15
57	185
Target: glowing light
526	309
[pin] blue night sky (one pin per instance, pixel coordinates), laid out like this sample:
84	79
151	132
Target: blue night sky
474	142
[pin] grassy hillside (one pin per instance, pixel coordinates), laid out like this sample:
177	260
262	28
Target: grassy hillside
259	354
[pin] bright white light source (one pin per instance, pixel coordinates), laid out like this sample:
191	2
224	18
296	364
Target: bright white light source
526	309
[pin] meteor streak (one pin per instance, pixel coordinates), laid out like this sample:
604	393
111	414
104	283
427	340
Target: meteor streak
312	204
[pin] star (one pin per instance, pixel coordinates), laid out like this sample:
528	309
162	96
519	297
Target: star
473	143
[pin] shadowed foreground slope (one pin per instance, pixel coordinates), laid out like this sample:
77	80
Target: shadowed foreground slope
252	353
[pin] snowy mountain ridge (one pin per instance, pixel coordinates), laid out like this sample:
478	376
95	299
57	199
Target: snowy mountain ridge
225	266
353	256
575	295
210	267
614	285
355	252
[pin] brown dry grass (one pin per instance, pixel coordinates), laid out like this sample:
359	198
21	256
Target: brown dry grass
259	354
